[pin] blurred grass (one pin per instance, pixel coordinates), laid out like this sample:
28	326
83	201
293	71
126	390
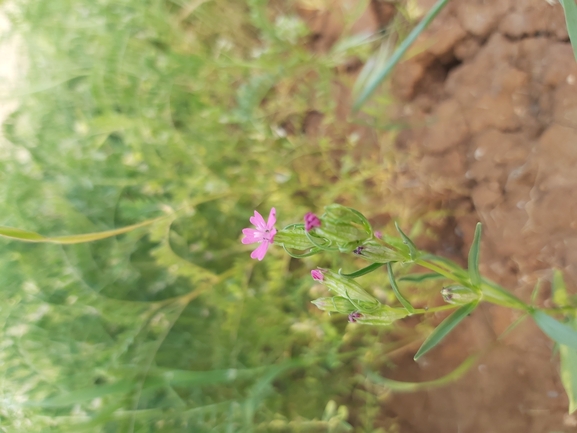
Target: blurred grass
132	110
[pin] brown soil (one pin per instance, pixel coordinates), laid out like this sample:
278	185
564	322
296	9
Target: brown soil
493	109
491	104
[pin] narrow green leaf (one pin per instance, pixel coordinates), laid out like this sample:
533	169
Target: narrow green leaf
557	331
419	278
474	274
372	267
86	394
445	327
378	76
413	251
570	9
498	295
26	236
397	386
447	265
559	289
569	374
398	294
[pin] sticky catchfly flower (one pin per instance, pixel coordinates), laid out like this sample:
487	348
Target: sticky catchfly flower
263	233
311	221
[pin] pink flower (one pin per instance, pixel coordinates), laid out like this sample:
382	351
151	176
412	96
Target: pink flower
317	275
263	234
378	235
311	221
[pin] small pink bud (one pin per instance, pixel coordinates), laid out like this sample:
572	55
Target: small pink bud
378	234
311	221
317	275
353	317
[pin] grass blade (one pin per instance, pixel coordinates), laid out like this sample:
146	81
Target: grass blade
26	236
570	9
377	77
444	328
397	386
372	267
398	294
474	274
86	394
557	331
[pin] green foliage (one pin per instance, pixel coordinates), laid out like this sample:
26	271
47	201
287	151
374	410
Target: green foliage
569	372
399	386
404	301
557	331
192	112
383	63
567	354
570	9
446	326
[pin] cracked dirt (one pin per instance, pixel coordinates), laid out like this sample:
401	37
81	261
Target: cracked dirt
488	98
491	102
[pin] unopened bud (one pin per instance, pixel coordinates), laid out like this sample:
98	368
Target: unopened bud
343	286
383	316
342	225
336	304
355	316
317	274
377	253
459	295
293	237
311	221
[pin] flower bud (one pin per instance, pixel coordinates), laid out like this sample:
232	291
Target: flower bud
343	286
311	221
377	253
342	225
293	237
459	295
336	304
355	316
317	275
383	316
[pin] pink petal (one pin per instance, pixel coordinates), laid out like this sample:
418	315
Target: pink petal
260	251
317	275
271	219
258	221
251	236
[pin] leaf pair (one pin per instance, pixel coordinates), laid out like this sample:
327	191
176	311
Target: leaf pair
447	325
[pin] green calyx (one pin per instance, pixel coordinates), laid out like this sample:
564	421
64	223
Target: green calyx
346	287
377	253
459	295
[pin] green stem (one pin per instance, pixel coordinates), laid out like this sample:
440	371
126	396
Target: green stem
437	269
434	309
491	292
